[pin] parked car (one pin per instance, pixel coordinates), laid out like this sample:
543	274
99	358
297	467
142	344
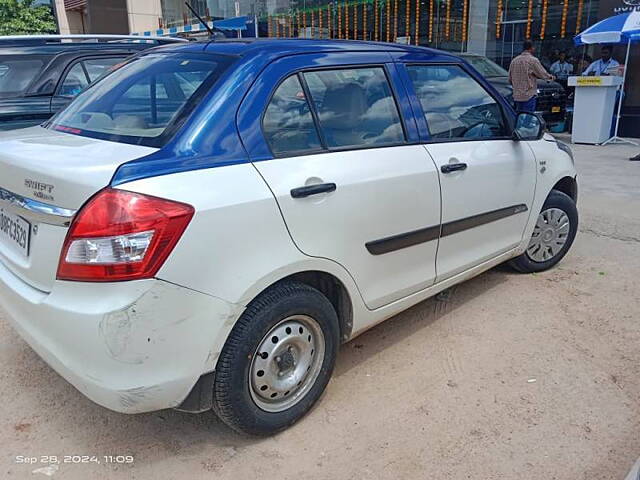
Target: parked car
204	226
40	74
552	99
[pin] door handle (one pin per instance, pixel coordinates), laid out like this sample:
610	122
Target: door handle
453	167
302	192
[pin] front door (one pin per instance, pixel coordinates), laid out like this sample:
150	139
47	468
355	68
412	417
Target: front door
350	187
487	179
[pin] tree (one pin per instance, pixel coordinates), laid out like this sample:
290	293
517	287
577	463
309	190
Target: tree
22	17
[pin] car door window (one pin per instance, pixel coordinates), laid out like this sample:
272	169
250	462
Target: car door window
96	67
355	107
17	73
75	81
455	105
287	123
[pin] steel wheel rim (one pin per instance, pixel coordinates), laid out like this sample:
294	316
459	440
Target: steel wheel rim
286	363
549	235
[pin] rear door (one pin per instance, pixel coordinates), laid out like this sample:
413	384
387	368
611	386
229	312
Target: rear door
338	147
488	180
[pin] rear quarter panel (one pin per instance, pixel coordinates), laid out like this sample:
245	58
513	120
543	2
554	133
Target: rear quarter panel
237	243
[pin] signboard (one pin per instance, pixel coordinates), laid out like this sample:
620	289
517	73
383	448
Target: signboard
589	81
614	7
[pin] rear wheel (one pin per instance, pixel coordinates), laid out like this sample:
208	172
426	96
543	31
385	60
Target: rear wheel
277	361
553	234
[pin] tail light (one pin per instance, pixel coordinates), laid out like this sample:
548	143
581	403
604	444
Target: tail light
120	235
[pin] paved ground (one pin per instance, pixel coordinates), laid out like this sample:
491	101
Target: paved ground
510	376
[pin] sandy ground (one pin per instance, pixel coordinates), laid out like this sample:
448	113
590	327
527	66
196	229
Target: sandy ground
508	376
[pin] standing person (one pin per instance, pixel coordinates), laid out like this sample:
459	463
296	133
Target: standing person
583	64
606	65
561	68
524	72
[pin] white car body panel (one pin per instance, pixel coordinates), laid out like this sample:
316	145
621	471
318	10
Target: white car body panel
552	165
230	250
499	174
381	192
118	342
75	167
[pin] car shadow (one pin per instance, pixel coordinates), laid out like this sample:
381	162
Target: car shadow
405	324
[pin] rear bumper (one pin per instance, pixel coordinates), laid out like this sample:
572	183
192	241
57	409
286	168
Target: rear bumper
130	346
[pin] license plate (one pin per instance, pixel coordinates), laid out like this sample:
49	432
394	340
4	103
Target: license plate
15	232
555	109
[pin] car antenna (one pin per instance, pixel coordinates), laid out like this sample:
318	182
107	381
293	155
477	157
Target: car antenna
209	29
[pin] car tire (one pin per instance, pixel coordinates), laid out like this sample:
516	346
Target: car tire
552	236
267	376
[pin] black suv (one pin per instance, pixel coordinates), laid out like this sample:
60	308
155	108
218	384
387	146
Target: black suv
40	74
552	99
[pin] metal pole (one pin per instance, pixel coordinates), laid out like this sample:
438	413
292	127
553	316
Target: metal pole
255	24
624	78
615	138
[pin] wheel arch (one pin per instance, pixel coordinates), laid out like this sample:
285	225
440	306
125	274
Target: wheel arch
567	185
332	288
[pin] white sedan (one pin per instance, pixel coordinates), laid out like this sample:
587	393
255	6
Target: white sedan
204	226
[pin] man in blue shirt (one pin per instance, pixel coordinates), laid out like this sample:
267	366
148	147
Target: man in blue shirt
605	66
561	69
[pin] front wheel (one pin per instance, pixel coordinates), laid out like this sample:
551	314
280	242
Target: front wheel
555	230
277	360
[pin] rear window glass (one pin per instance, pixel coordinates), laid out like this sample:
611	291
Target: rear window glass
144	101
17	74
288	124
355	107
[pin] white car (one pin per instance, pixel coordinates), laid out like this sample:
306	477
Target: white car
204	226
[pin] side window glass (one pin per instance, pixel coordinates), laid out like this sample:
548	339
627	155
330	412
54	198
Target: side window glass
355	107
287	123
455	105
17	74
96	67
74	82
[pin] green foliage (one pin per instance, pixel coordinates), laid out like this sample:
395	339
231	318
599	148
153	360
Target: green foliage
21	17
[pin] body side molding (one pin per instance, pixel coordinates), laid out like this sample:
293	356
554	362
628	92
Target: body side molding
415	237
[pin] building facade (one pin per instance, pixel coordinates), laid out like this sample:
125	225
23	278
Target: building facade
108	16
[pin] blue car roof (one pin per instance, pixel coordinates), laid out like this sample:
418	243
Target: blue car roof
279	47
195	146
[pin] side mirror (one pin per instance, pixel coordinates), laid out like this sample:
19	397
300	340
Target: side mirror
529	126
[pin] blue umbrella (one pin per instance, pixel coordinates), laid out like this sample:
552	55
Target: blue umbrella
623	28
617	29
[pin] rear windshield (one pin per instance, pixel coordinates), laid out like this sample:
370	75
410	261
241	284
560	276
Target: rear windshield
145	101
16	74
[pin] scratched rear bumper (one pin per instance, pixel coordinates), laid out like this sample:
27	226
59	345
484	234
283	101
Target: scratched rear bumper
130	346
